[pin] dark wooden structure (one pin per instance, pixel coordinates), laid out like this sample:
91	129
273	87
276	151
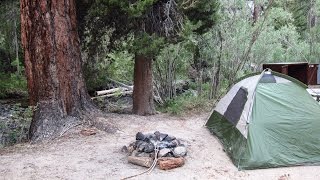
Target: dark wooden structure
303	71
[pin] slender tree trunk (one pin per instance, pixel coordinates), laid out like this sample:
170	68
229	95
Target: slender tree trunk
16	46
216	80
53	67
198	64
143	88
256	11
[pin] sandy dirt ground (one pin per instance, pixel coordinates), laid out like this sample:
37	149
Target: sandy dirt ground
99	156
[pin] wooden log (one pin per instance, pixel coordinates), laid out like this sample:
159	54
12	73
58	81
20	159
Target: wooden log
141	161
167	163
103	92
114	94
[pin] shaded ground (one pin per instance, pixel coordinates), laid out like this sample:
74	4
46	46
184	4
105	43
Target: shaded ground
75	156
15	121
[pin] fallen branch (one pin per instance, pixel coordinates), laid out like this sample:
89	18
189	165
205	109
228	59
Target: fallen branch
114	94
103	92
123	91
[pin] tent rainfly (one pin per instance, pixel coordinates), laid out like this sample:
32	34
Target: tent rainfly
268	120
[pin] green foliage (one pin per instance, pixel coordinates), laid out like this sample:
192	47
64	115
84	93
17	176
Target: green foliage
12	84
186	102
148	45
121	66
280	17
300	10
139	7
202	13
132	8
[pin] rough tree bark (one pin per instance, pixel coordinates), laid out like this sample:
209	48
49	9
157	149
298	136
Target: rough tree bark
53	67
143	88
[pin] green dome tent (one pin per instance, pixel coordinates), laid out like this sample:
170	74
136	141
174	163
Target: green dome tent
268	120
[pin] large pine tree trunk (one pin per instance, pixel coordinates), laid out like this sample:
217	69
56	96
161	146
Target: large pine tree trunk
53	67
143	87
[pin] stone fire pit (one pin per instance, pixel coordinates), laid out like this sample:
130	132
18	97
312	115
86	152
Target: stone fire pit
150	149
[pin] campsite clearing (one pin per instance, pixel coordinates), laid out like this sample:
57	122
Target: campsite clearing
99	156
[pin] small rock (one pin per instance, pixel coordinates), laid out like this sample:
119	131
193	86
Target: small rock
142	146
152	155
179	151
130	149
163	144
133	144
124	149
149	148
163	152
170	138
135	153
138	143
162	136
174	143
140	136
170	154
157	133
150	138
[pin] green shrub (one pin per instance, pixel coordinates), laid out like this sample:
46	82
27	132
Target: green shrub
12	84
187	102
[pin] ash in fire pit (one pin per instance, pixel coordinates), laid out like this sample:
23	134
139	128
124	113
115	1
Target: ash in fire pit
166	150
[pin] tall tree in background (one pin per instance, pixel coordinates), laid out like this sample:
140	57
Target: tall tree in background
203	16
53	66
